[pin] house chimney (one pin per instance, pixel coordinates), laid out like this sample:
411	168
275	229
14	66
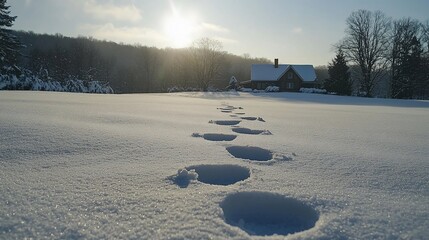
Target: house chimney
276	63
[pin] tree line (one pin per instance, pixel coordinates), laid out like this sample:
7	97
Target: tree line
384	54
133	68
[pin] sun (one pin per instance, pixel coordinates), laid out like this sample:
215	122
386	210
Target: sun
179	29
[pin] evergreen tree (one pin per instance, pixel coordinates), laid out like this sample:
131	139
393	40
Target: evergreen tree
9	44
408	80
339	76
409	63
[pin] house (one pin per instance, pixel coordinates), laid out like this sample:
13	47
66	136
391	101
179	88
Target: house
288	77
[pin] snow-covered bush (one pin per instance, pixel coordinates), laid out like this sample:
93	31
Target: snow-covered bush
257	91
268	89
245	89
313	90
175	89
182	89
272	89
30	82
213	89
233	80
98	87
233	84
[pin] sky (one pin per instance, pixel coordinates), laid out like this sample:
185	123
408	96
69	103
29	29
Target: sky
295	32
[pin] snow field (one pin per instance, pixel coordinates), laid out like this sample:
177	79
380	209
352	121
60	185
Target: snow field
98	166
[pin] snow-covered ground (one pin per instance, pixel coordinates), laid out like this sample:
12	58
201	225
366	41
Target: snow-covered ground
158	166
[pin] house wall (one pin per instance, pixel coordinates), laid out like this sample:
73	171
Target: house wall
290	82
262	85
310	85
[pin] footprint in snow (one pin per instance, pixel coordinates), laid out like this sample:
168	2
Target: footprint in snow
250	153
256	154
225	122
215	136
227	107
222	174
266	214
250	131
249	118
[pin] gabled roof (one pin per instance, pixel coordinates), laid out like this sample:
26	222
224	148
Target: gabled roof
306	72
267	72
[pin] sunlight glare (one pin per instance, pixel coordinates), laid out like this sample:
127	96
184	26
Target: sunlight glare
179	29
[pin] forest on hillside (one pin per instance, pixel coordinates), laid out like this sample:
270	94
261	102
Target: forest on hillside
131	68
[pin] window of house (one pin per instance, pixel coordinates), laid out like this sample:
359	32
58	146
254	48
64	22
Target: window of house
289	75
290	85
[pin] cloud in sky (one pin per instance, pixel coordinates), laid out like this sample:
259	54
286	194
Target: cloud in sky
109	11
215	31
147	36
214	27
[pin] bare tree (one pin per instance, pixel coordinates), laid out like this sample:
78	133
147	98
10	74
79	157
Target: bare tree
367	45
206	59
148	67
425	34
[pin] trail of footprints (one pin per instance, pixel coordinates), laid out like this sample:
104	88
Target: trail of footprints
257	213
